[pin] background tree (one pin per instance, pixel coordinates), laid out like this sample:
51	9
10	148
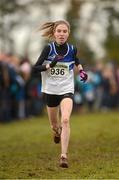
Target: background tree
16	16
8	21
73	16
112	41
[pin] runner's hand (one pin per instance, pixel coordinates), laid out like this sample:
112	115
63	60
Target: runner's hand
83	75
55	60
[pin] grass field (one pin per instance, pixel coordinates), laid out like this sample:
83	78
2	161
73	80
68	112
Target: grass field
27	149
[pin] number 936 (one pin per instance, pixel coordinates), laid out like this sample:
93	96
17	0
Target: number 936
56	71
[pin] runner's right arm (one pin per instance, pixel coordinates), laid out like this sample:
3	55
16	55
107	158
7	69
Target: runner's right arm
38	67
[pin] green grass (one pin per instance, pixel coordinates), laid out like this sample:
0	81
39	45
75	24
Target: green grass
27	149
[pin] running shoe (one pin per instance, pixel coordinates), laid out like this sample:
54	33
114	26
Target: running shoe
56	135
63	162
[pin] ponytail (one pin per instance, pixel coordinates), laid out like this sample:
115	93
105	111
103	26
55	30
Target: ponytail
49	28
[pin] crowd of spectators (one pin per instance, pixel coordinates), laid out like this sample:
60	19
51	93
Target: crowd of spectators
101	91
20	93
21	97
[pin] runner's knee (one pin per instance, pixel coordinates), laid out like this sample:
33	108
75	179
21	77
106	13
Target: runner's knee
65	122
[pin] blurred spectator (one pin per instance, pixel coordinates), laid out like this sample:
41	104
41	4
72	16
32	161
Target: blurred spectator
98	68
110	87
117	79
5	108
21	97
35	103
15	95
89	90
78	95
101	91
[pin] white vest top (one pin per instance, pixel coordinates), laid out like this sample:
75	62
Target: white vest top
59	79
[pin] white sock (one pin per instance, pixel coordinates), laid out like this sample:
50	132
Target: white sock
64	155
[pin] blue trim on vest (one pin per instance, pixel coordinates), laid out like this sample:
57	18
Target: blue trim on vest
67	58
71	66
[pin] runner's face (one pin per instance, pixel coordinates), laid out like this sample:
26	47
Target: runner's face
61	33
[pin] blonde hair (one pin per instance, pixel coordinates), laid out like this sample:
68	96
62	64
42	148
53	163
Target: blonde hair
49	28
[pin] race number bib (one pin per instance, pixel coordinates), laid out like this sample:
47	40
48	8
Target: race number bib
60	70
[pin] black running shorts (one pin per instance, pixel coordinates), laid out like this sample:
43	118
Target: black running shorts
52	100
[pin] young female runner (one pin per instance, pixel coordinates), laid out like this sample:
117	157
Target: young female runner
56	63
